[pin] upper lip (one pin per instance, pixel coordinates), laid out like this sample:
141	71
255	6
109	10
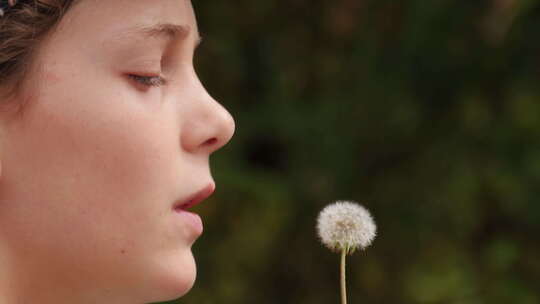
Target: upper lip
195	198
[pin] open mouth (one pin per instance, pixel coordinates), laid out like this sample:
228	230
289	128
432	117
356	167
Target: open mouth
195	199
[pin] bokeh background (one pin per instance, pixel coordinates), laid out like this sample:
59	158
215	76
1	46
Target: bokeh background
425	111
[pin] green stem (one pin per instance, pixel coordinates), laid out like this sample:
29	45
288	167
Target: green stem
343	288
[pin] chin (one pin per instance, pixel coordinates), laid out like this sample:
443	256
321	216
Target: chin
176	277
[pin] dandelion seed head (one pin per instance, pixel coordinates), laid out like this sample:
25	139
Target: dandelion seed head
346	225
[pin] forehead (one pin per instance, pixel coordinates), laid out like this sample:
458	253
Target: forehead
124	19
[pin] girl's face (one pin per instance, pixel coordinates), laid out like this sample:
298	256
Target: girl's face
118	129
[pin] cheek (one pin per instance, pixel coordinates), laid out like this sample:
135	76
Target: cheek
100	144
93	174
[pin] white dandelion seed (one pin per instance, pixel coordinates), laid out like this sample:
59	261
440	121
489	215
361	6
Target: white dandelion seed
345	226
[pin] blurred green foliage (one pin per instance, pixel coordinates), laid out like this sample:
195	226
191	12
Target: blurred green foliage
427	112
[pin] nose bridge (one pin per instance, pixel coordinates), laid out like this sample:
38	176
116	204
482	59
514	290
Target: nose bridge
208	125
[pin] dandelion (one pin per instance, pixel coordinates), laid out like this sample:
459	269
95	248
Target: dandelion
343	227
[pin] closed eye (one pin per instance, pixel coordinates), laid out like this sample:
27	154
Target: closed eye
149	81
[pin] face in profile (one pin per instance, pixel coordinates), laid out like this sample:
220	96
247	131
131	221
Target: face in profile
118	131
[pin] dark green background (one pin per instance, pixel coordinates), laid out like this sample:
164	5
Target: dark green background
425	111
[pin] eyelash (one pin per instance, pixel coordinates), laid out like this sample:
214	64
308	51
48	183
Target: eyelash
149	81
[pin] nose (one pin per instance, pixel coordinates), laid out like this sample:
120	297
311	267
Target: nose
208	126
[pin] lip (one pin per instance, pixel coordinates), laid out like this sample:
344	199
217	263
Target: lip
193	220
195	198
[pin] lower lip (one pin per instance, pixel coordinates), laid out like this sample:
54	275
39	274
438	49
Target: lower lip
193	220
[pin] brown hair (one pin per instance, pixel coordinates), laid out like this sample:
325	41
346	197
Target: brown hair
22	29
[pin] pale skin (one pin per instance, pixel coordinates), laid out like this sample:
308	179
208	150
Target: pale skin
91	170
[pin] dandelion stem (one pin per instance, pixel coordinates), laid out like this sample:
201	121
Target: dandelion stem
343	287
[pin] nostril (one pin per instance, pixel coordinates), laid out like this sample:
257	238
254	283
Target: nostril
212	141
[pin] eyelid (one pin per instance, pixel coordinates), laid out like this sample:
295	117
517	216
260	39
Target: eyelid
149	80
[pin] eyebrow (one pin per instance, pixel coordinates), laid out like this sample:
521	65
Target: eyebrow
167	31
